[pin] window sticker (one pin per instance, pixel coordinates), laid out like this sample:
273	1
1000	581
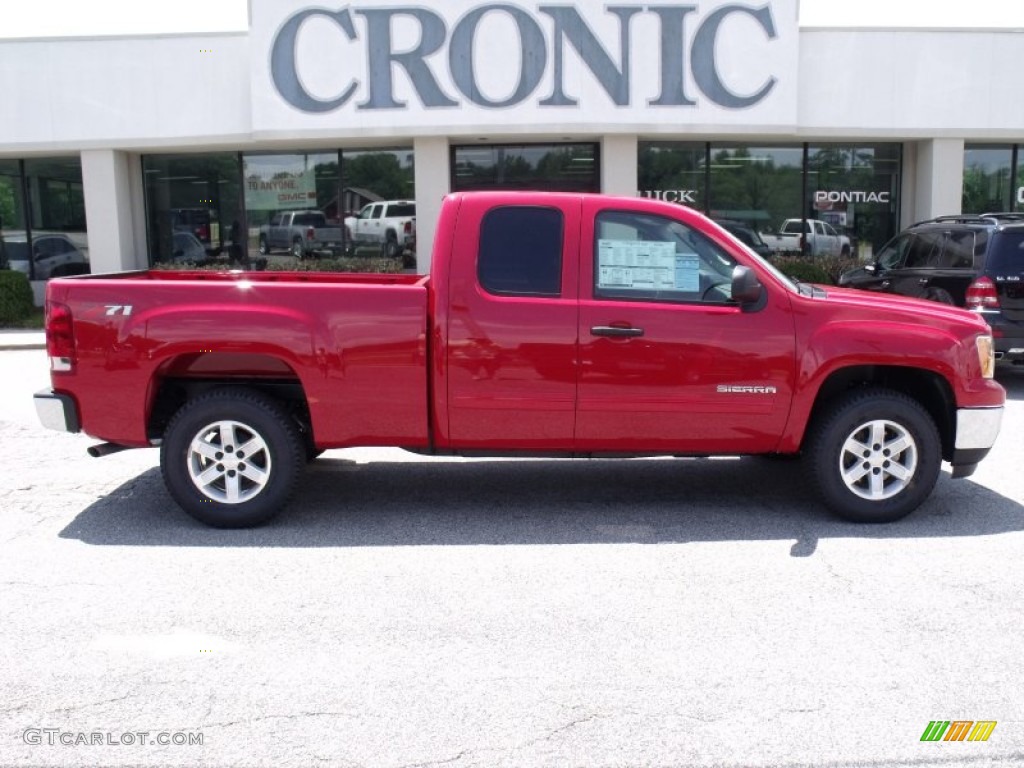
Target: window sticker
645	265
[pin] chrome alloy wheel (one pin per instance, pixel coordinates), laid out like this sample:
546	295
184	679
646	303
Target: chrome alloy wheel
878	460
229	462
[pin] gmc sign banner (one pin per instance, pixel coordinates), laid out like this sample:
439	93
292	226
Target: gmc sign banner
373	64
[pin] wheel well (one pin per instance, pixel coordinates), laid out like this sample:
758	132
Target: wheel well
929	389
172	392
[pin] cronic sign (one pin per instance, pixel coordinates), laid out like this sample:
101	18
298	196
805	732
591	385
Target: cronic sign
412	58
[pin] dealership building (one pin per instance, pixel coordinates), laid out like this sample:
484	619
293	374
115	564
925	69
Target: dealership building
131	151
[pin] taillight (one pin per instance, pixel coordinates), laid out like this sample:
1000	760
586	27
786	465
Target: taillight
982	294
407	228
60	336
311	234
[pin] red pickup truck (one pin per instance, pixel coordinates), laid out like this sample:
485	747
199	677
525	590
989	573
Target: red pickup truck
552	324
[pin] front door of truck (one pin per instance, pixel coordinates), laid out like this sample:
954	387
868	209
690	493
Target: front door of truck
667	362
511	325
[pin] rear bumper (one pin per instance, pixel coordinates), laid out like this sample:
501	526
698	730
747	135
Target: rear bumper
976	432
57	411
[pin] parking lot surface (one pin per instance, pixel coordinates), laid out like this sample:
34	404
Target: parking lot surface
423	612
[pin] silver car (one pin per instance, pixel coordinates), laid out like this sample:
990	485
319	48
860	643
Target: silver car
53	255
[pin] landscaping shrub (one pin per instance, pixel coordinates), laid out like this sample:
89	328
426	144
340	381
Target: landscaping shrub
16	303
806	269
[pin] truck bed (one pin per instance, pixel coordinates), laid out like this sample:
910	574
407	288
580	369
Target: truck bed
356	343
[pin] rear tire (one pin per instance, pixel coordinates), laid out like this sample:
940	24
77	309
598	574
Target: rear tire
391	249
297	250
241	487
264	248
875	455
940	295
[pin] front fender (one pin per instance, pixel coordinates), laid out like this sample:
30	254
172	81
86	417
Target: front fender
840	345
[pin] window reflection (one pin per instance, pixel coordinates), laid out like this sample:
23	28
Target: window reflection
44	235
551	167
987	179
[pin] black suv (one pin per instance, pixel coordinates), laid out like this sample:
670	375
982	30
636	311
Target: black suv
972	261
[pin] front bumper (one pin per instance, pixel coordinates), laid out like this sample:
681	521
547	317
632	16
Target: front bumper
976	432
57	411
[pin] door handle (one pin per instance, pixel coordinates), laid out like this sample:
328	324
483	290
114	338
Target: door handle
923	281
611	330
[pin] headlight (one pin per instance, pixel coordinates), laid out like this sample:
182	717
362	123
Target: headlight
986	356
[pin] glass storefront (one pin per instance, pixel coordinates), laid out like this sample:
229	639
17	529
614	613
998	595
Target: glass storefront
855	188
193	204
551	167
757	189
246	210
42	217
989	179
674	171
758	186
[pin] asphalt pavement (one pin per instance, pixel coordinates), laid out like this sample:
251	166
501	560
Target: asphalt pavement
439	612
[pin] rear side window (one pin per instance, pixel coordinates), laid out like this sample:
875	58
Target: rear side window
1006	254
521	251
959	250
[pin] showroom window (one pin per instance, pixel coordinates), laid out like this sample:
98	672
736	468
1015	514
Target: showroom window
753	190
194	208
855	188
247	210
674	171
551	167
42	217
758	186
989	184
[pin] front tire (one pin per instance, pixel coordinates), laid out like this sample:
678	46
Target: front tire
875	455
231	457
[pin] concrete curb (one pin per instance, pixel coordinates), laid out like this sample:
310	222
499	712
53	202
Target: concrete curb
13	341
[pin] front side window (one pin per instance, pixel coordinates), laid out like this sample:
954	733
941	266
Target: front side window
643	257
894	252
521	251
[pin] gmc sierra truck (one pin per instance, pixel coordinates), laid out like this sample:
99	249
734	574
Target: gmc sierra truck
390	224
552	324
302	233
809	237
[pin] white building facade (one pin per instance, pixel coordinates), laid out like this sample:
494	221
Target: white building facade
727	106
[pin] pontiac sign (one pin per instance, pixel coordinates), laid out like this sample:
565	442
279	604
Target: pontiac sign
712	63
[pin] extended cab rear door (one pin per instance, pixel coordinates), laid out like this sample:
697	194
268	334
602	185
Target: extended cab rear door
511	353
667	362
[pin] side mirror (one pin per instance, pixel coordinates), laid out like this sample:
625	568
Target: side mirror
746	288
